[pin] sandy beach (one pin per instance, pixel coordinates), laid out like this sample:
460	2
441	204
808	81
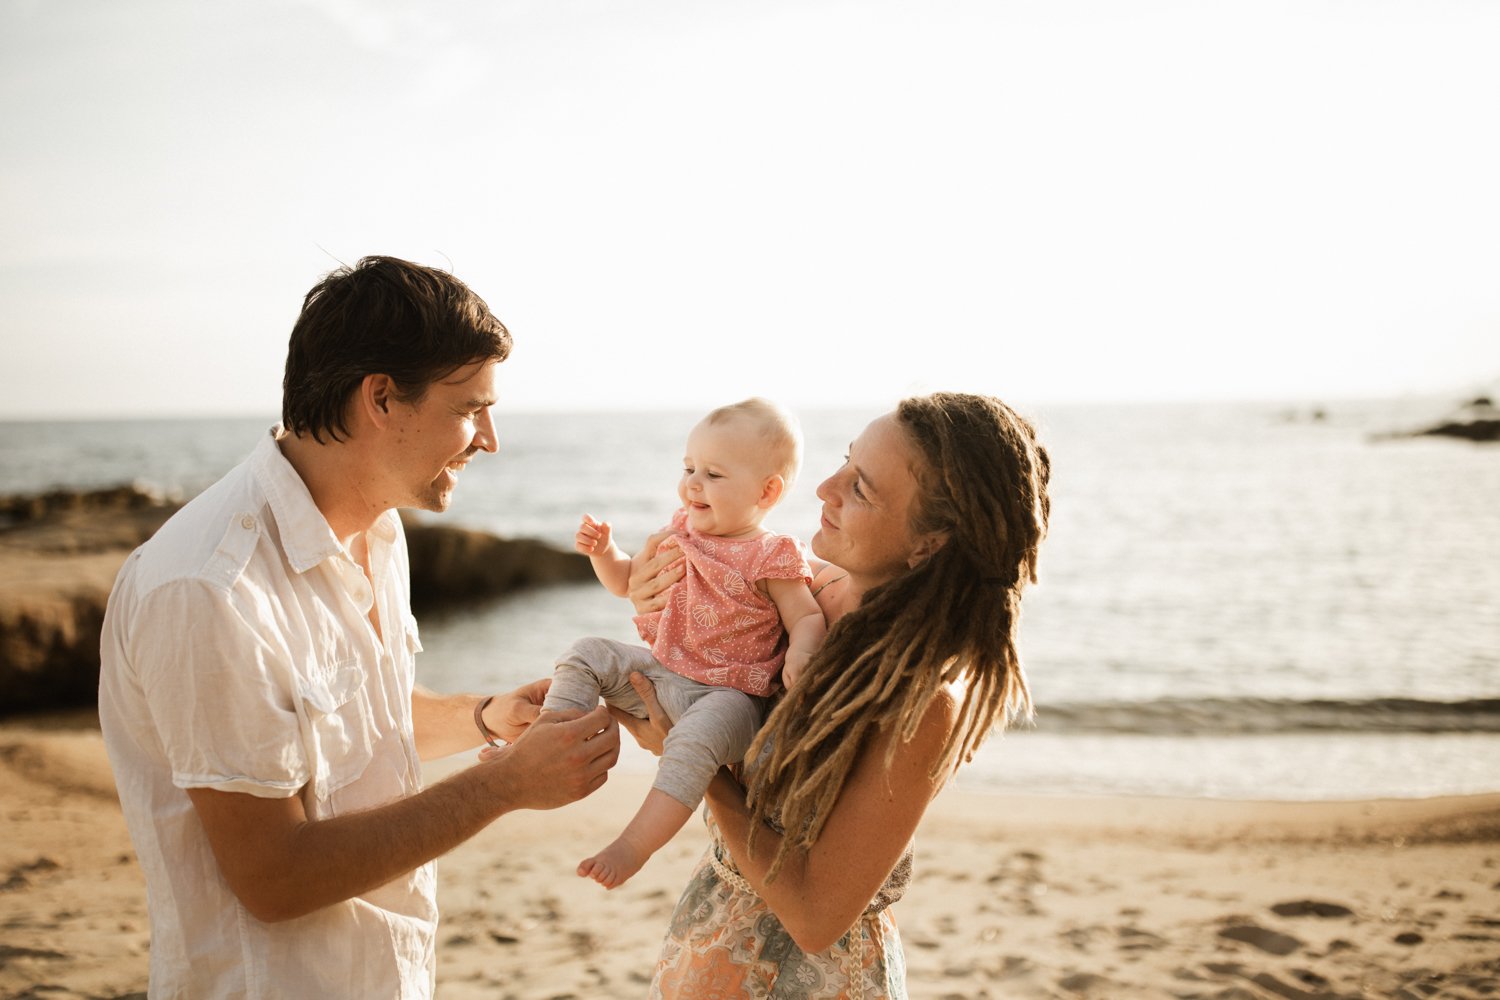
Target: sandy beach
1014	897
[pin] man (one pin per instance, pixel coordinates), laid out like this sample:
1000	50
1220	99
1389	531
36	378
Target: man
257	690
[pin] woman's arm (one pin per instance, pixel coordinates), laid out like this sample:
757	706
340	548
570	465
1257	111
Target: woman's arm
819	895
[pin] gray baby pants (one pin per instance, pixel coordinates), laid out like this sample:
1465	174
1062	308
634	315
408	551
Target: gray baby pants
711	726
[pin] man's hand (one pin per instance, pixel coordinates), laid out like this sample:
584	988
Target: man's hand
653	574
560	758
593	538
282	864
508	715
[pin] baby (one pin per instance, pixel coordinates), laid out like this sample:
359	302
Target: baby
741	614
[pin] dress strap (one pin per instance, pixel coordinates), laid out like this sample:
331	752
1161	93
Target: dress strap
828	583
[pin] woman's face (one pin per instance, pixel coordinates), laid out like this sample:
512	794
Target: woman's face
868	503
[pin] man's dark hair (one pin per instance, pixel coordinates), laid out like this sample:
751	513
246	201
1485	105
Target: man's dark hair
383	316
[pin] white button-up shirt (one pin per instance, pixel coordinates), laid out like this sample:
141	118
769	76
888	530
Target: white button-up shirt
238	654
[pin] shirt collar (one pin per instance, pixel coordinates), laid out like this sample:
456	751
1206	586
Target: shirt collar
306	537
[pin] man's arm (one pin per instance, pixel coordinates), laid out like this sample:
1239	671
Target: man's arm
444	724
282	865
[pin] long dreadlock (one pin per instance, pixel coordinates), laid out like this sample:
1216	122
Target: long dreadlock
954	617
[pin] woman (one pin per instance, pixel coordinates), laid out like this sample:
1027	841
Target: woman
930	530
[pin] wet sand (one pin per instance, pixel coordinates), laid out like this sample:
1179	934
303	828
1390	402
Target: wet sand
1014	897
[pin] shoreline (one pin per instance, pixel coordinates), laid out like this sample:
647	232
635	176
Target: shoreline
971	783
1014	896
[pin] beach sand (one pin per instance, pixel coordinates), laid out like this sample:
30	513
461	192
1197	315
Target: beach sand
1013	897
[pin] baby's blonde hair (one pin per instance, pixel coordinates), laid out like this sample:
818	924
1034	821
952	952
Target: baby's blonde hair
779	432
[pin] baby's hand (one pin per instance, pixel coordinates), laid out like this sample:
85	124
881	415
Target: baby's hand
593	537
790	672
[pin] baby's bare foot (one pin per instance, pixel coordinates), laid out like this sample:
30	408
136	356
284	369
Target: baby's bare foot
614	865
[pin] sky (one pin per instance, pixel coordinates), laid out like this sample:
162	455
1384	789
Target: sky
677	204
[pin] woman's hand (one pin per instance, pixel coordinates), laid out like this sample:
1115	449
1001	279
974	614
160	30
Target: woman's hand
650	732
653	573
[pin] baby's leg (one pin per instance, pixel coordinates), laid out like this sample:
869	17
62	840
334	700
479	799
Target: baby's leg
655	823
714	730
593	667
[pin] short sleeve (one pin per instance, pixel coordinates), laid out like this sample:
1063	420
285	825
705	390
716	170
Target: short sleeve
783	557
222	697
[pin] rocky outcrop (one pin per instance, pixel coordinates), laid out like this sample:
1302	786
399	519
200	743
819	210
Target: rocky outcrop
453	565
51	611
1477	420
60	551
1469	430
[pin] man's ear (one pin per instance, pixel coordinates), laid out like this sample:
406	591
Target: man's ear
927	545
771	492
374	398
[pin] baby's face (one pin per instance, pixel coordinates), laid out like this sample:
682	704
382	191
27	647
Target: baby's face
725	471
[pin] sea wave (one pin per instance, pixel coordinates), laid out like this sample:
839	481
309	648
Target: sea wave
1263	716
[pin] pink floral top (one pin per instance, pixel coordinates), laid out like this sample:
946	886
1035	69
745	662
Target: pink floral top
718	628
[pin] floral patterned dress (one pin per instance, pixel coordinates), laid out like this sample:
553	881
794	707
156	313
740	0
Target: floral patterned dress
724	943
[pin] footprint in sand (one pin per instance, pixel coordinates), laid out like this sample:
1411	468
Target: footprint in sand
1087	984
1135	939
1272	942
1311	908
18	879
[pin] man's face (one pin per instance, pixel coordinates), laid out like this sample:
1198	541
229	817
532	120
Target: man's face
434	438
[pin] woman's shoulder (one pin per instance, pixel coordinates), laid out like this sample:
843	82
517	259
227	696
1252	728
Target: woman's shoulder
929	741
828	585
825	574
944	709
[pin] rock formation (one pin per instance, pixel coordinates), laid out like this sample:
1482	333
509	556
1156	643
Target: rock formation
451	565
60	551
1476	420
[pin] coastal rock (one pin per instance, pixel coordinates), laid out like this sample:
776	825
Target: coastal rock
33	508
453	565
60	552
1476	420
1469	430
51	612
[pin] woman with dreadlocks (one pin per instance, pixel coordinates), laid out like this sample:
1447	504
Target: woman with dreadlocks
930	530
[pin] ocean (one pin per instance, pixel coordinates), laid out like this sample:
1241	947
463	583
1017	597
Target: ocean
1237	601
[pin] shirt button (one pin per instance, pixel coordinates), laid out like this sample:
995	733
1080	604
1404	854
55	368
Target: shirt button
247	522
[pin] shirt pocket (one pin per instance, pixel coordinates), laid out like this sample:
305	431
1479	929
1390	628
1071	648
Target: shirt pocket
341	725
